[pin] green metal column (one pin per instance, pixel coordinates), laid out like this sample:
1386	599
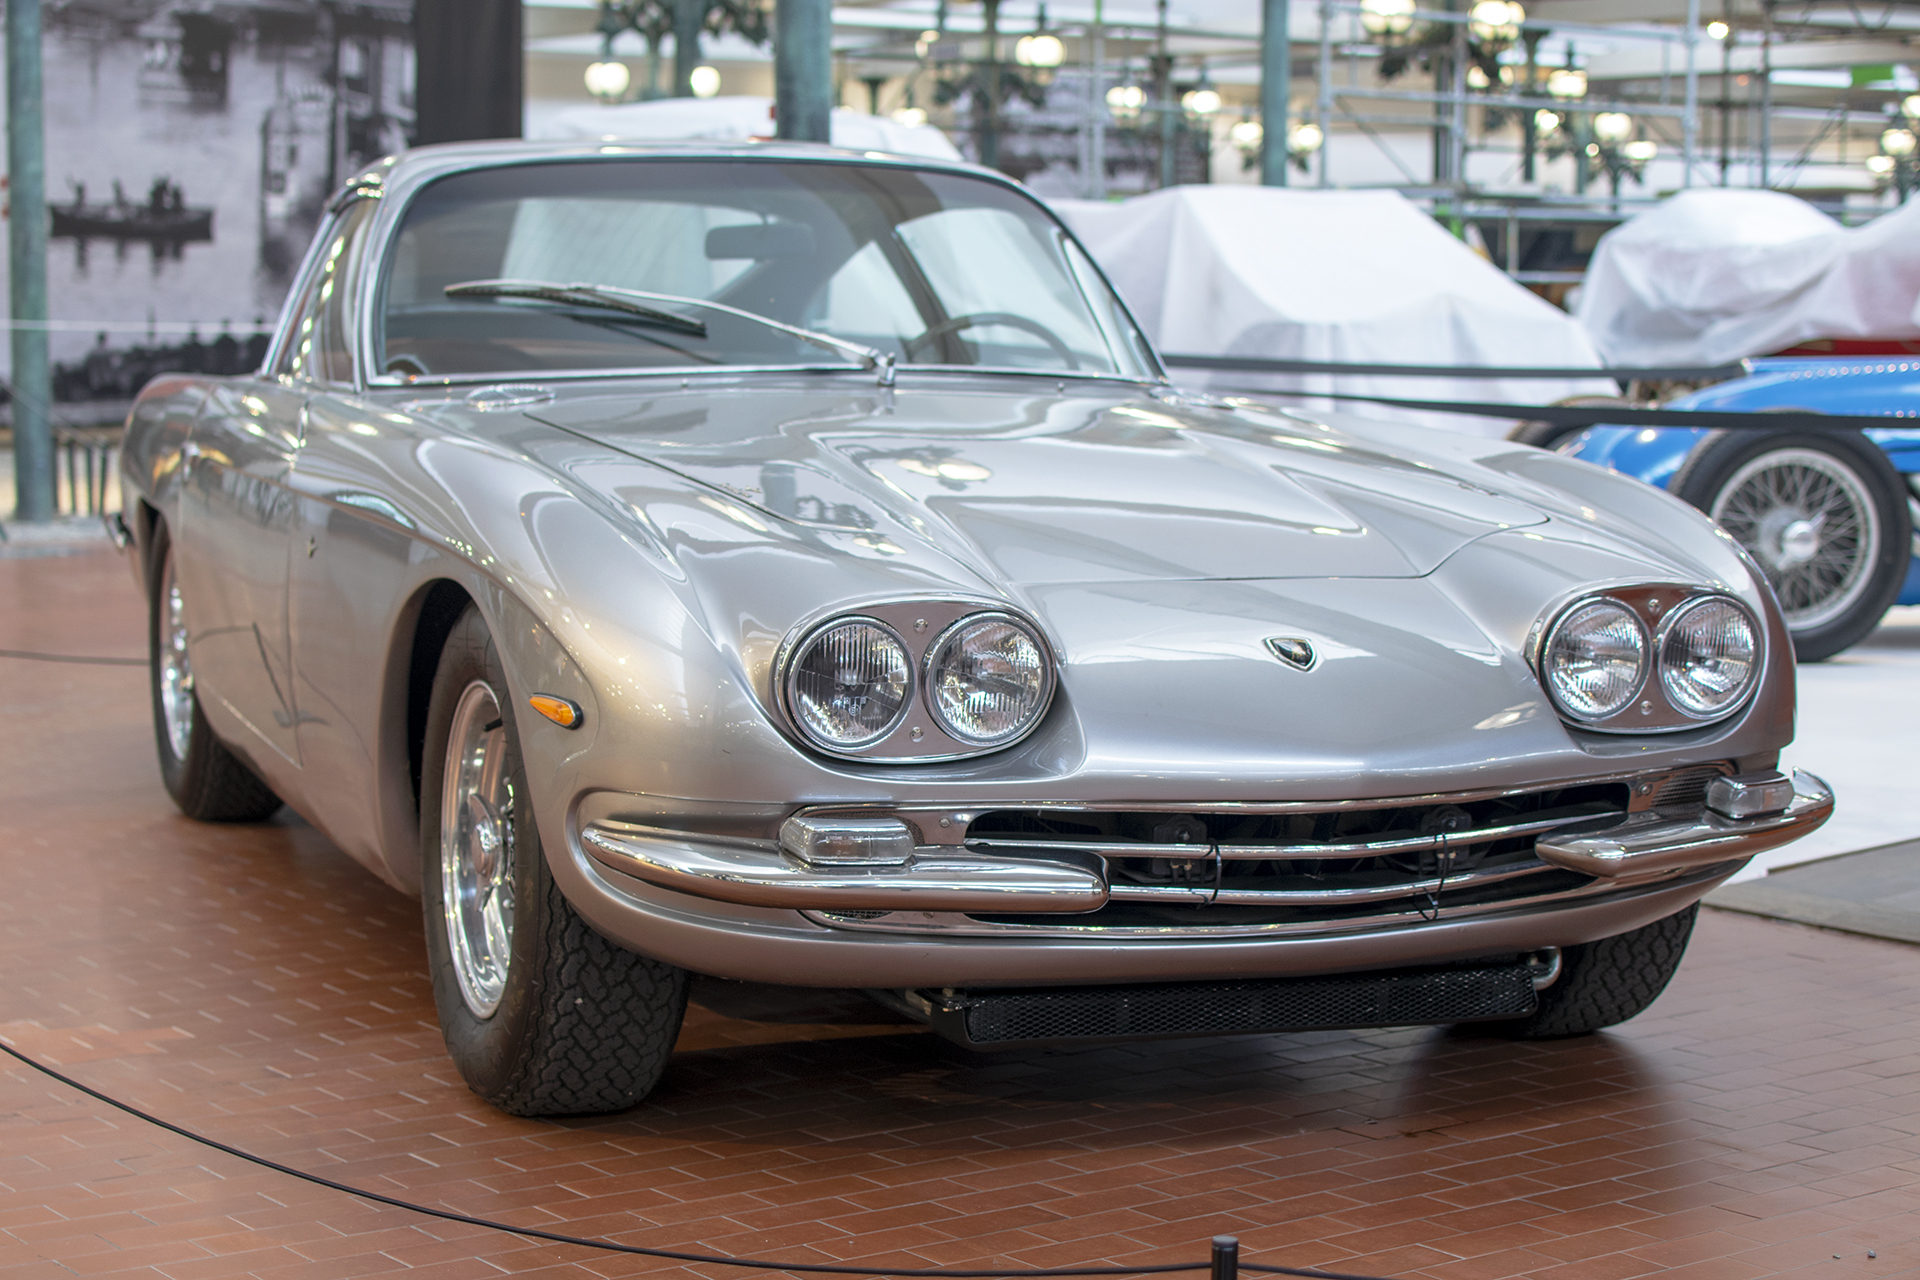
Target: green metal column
1276	91
688	17
803	69
27	264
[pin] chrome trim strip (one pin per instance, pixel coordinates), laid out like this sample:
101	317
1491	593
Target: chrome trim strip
1643	785
1323	897
1267	852
944	925
1648	844
756	874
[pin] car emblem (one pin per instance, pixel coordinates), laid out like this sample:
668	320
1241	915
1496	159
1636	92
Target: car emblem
1293	651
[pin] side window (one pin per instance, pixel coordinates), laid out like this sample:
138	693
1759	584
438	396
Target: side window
319	345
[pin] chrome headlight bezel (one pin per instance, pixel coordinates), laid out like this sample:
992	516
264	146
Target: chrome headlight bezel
1657	607
922	626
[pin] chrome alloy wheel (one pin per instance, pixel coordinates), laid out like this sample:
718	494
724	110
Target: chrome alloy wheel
476	849
1807	517
176	671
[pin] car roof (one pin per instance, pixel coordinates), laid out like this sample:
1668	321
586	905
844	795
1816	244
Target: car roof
420	164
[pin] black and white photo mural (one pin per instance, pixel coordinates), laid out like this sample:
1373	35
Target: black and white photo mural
191	146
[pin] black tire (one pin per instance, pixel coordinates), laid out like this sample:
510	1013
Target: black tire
1860	551
581	1026
1551	435
208	782
1606	982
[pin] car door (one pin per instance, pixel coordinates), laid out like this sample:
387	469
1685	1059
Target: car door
236	516
351	549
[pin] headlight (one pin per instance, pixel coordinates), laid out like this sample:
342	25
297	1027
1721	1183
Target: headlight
849	683
988	680
1708	657
1595	659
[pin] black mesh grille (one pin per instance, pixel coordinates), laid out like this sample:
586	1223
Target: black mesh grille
1215	1008
1685	790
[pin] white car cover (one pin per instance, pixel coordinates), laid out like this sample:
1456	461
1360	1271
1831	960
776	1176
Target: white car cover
737	119
1716	275
1351	276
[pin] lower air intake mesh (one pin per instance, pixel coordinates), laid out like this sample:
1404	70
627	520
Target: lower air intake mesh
1220	1008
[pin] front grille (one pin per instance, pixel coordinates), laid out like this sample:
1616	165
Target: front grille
1346	862
1406	998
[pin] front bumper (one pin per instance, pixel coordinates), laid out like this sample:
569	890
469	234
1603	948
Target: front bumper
742	909
945	878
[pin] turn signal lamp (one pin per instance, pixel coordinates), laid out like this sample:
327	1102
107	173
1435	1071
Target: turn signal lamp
562	712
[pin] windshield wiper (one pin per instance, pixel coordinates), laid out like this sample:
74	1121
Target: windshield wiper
632	301
575	295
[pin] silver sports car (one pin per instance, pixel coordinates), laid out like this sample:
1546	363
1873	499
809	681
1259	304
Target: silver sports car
791	565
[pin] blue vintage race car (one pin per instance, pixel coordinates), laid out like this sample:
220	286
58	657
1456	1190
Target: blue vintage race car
1829	515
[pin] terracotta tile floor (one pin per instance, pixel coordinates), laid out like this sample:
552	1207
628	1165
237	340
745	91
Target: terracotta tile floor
1763	1117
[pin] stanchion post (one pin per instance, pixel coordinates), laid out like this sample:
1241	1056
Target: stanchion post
27	261
1226	1258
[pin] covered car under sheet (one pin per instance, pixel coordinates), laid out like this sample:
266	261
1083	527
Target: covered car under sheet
1350	276
736	118
1718	275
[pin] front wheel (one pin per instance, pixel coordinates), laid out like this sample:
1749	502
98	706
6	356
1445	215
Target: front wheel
1824	514
542	1016
1605	982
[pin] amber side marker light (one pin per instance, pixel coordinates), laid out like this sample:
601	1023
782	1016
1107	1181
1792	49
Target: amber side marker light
559	710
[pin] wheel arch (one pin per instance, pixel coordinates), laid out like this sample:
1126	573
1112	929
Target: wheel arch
420	633
535	662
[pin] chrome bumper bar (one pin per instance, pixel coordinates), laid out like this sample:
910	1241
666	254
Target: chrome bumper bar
1646	844
935	878
951	878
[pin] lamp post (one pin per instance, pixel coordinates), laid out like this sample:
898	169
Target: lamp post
1568	85
608	80
1899	160
1126	100
1606	138
1041	53
1305	139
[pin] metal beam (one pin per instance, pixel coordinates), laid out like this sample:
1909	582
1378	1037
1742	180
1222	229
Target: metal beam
1276	90
27	264
803	70
1690	123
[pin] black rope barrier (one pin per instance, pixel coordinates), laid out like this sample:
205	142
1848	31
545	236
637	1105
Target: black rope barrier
1254	364
1225	1254
1616	416
30	656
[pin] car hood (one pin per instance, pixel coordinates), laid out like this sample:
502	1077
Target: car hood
1061	486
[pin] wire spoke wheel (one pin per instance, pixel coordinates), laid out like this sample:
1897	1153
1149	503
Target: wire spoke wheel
1812	525
476	849
176	671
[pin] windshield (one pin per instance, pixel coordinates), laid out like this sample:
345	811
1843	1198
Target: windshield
934	269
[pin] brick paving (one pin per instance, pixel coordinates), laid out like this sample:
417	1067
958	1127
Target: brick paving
256	985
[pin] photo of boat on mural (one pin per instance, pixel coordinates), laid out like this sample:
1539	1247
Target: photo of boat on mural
164	216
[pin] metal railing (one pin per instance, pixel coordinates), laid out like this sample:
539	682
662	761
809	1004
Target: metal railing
85	481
